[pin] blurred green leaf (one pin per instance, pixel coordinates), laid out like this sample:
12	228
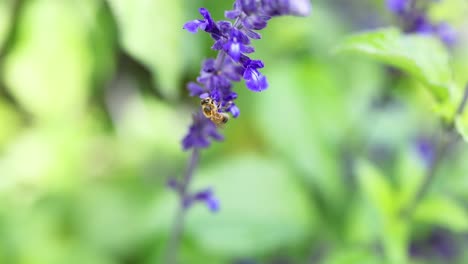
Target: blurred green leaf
294	122
48	71
409	172
376	187
452	11
386	202
150	31
352	256
148	129
263	208
6	7
9	116
440	210
423	57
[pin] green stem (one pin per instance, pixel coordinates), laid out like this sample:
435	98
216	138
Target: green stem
178	227
448	138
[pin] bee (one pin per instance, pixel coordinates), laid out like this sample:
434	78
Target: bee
211	110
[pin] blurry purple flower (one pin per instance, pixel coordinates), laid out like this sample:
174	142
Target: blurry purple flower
426	150
200	133
207	196
397	6
446	33
422	25
414	19
439	244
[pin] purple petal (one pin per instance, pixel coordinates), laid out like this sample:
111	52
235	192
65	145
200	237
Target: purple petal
193	26
218	45
300	7
234	110
247	49
203	195
195	89
233	14
213	204
255	22
286	7
447	34
224	26
255	80
252	34
233	49
248	6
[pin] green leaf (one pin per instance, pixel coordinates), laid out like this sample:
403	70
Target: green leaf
423	57
11	123
313	119
6	7
452	12
352	256
385	201
376	188
151	31
410	171
263	208
49	68
443	211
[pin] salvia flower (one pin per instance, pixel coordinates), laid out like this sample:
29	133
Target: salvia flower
414	18
232	39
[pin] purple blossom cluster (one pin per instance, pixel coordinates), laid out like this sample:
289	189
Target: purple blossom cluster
232	40
414	17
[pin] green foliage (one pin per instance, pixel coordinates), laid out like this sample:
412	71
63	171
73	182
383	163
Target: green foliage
423	57
62	88
318	168
440	210
150	31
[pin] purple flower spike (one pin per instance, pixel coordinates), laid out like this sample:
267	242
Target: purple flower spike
200	133
232	41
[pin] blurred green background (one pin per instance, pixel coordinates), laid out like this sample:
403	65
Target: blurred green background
316	169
